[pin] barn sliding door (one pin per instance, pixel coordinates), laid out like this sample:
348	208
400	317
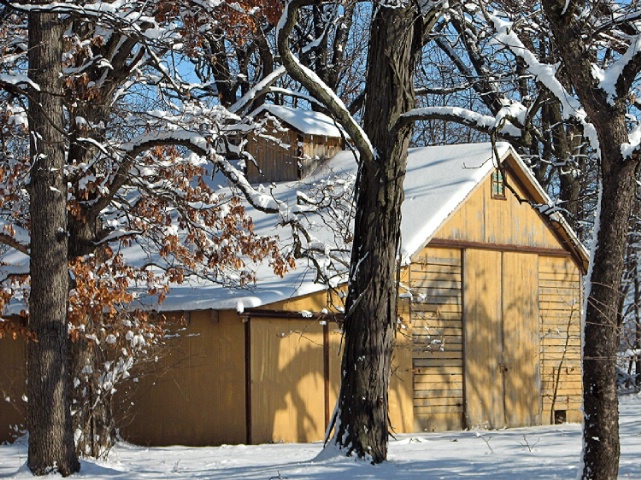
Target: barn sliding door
521	339
502	380
482	338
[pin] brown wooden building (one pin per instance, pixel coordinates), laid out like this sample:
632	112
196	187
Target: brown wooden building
293	149
490	309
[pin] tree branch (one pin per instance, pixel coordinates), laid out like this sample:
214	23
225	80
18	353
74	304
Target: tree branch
482	123
13	243
314	84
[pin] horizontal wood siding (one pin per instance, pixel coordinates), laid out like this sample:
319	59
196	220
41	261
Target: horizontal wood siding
560	353
437	339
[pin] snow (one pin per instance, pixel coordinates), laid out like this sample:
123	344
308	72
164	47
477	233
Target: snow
438	179
18	79
546	452
259	87
609	77
546	74
306	121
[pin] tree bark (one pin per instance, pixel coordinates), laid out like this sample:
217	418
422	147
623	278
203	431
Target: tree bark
51	446
601	446
371	314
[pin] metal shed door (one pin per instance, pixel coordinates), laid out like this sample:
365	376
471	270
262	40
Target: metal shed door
501	339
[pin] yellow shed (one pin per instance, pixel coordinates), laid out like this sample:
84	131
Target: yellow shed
490	316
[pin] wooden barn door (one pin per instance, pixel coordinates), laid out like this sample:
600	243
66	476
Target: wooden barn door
502	380
482	328
521	340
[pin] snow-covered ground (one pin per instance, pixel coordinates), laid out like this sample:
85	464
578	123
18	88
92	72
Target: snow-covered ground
516	454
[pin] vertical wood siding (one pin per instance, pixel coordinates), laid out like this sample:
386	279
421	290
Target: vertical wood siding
296	157
501	328
521	339
486	220
483	321
196	394
287	380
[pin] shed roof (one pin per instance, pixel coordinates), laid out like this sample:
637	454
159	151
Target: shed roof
305	121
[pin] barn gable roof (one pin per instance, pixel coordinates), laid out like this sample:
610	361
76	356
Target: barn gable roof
438	181
304	121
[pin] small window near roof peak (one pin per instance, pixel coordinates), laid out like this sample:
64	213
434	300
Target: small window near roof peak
498	185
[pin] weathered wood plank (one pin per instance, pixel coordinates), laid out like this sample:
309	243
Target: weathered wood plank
445	374
436	338
426	316
437	299
438	422
429	410
426	280
560	304
564	289
553	349
441	392
427	363
438	402
422	333
446	354
437	309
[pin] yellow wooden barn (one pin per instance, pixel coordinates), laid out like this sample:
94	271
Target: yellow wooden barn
489	333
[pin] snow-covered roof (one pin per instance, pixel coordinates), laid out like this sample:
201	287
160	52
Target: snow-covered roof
438	180
305	121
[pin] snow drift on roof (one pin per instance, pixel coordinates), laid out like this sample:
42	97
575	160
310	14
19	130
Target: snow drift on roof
438	180
305	121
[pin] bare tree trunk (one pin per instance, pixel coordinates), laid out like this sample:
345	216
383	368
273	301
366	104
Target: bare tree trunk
361	424
601	423
51	445
601	446
635	361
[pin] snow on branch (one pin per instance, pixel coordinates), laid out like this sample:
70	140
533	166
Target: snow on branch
14	82
202	146
571	108
314	84
13	243
483	123
244	103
